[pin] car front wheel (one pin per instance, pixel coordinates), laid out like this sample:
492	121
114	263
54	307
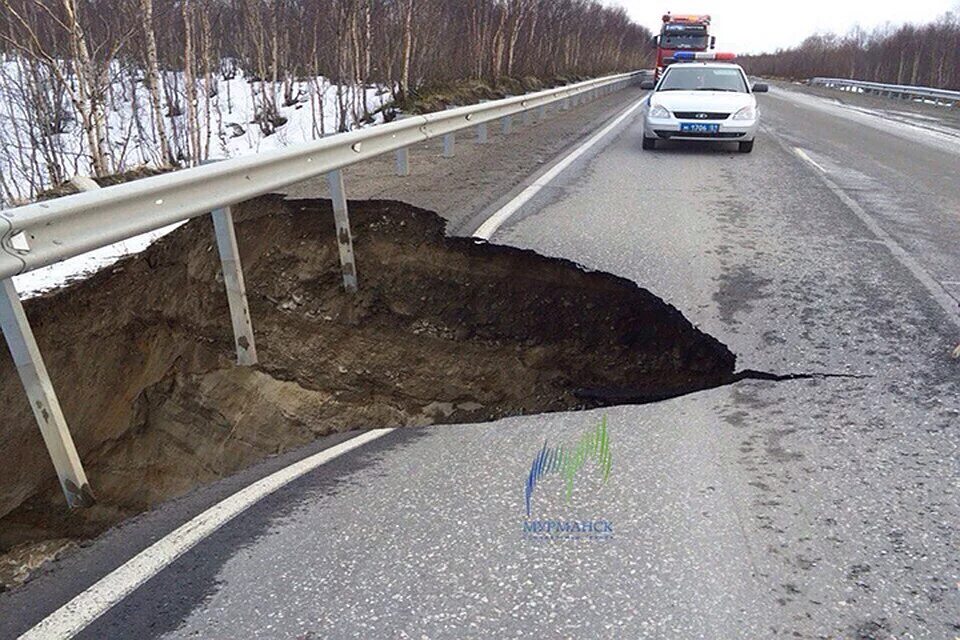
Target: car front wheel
649	143
746	147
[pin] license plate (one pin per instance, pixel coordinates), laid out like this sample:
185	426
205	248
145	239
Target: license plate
698	127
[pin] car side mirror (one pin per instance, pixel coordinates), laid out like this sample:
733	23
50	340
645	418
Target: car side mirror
647	84
760	87
713	42
656	41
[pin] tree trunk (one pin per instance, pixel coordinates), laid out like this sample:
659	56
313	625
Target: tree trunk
88	105
152	80
208	78
190	84
407	54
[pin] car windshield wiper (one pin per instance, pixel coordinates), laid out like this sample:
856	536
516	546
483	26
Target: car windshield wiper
716	89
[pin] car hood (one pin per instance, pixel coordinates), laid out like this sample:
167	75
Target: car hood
726	101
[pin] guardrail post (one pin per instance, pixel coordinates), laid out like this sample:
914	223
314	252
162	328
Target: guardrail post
236	289
403	162
344	239
506	123
482	133
542	113
449	149
526	117
42	398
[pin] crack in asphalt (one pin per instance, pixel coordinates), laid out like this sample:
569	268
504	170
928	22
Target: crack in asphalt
753	374
610	397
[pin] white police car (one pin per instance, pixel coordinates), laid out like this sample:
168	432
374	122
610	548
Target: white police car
702	97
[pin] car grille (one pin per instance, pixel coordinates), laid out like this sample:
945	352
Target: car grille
690	134
696	115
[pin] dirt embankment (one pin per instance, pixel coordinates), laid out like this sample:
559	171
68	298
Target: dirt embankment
440	96
442	330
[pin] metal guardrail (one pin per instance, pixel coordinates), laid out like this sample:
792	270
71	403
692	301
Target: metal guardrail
951	98
40	234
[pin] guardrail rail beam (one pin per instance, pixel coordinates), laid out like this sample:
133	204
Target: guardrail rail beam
43	399
944	97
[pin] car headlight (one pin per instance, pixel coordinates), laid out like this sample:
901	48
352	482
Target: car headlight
657	111
747	113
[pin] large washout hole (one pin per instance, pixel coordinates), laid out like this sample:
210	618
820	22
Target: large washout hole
442	330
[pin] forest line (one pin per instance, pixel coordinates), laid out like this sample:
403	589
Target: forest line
70	66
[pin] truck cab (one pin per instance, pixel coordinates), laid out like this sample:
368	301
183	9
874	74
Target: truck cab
681	33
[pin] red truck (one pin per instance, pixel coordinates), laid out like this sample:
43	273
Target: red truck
682	33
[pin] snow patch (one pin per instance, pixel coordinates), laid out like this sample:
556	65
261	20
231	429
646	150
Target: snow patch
54	276
229	132
316	108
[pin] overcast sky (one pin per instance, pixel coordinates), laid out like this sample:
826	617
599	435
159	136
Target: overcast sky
751	26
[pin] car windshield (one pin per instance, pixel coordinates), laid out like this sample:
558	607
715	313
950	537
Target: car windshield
685	78
684	41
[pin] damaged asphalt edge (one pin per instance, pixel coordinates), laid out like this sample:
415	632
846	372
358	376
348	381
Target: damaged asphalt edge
626	396
460	326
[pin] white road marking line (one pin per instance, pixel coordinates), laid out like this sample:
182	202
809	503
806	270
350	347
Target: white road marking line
74	616
806	158
490	226
934	288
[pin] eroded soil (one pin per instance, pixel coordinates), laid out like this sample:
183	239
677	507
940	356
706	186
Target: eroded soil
442	330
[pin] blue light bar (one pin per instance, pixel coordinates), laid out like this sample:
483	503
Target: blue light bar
691	56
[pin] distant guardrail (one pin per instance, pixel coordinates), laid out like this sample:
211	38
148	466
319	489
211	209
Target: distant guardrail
940	96
42	233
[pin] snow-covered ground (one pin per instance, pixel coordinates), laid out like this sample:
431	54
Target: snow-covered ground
228	131
36	282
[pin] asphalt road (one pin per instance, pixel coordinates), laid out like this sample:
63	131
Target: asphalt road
821	507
